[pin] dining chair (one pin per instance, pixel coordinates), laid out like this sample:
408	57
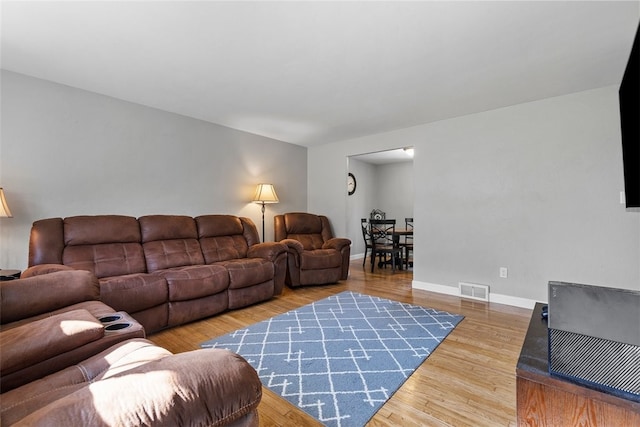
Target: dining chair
408	242
383	243
366	235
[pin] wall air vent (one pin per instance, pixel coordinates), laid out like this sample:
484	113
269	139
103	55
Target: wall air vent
474	291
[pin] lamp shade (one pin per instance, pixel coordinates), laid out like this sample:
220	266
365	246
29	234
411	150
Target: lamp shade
265	193
4	207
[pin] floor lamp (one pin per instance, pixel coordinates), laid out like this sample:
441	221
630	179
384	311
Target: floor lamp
265	193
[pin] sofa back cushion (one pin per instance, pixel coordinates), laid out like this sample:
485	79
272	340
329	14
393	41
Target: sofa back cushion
46	242
170	241
222	237
305	228
106	245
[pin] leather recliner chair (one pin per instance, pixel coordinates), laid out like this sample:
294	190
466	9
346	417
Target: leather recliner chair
315	256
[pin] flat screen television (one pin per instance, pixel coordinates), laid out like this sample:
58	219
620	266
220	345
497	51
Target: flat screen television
629	95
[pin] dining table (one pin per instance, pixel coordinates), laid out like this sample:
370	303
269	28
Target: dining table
398	232
396	235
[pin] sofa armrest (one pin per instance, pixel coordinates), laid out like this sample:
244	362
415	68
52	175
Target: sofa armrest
293	246
267	250
23	298
337	243
38	270
209	387
34	342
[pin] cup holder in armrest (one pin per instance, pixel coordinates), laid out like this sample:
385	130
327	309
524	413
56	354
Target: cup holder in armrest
120	323
117	326
110	319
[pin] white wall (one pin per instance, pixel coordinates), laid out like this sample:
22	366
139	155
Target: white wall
358	204
532	187
394	183
69	152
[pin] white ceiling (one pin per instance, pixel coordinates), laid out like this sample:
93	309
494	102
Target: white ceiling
317	72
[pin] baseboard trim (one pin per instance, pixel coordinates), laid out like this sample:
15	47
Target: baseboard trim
511	300
432	287
497	298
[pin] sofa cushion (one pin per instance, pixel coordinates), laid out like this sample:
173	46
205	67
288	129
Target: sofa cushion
106	245
223	248
42	339
165	254
46	241
221	238
319	259
309	229
218	225
98	229
309	242
181	312
305	228
170	241
133	292
196	281
167	227
104	260
33	296
302	223
248	272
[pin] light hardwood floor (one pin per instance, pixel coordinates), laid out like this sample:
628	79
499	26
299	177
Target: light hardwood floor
469	380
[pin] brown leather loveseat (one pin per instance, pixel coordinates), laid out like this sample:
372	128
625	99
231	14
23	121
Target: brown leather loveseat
62	365
136	383
315	257
52	321
164	270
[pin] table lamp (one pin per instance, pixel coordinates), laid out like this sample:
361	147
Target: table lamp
4	207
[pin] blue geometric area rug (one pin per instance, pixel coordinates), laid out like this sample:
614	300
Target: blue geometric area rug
341	358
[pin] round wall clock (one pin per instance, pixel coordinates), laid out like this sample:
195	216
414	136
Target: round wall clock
351	183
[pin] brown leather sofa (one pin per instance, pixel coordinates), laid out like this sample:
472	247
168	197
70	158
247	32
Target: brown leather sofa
136	383
164	270
315	257
52	321
61	365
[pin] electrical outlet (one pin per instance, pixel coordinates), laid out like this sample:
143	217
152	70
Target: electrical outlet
504	272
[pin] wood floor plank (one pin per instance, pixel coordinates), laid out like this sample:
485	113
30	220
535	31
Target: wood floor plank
469	380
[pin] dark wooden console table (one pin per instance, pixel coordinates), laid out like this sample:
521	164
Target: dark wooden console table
545	400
